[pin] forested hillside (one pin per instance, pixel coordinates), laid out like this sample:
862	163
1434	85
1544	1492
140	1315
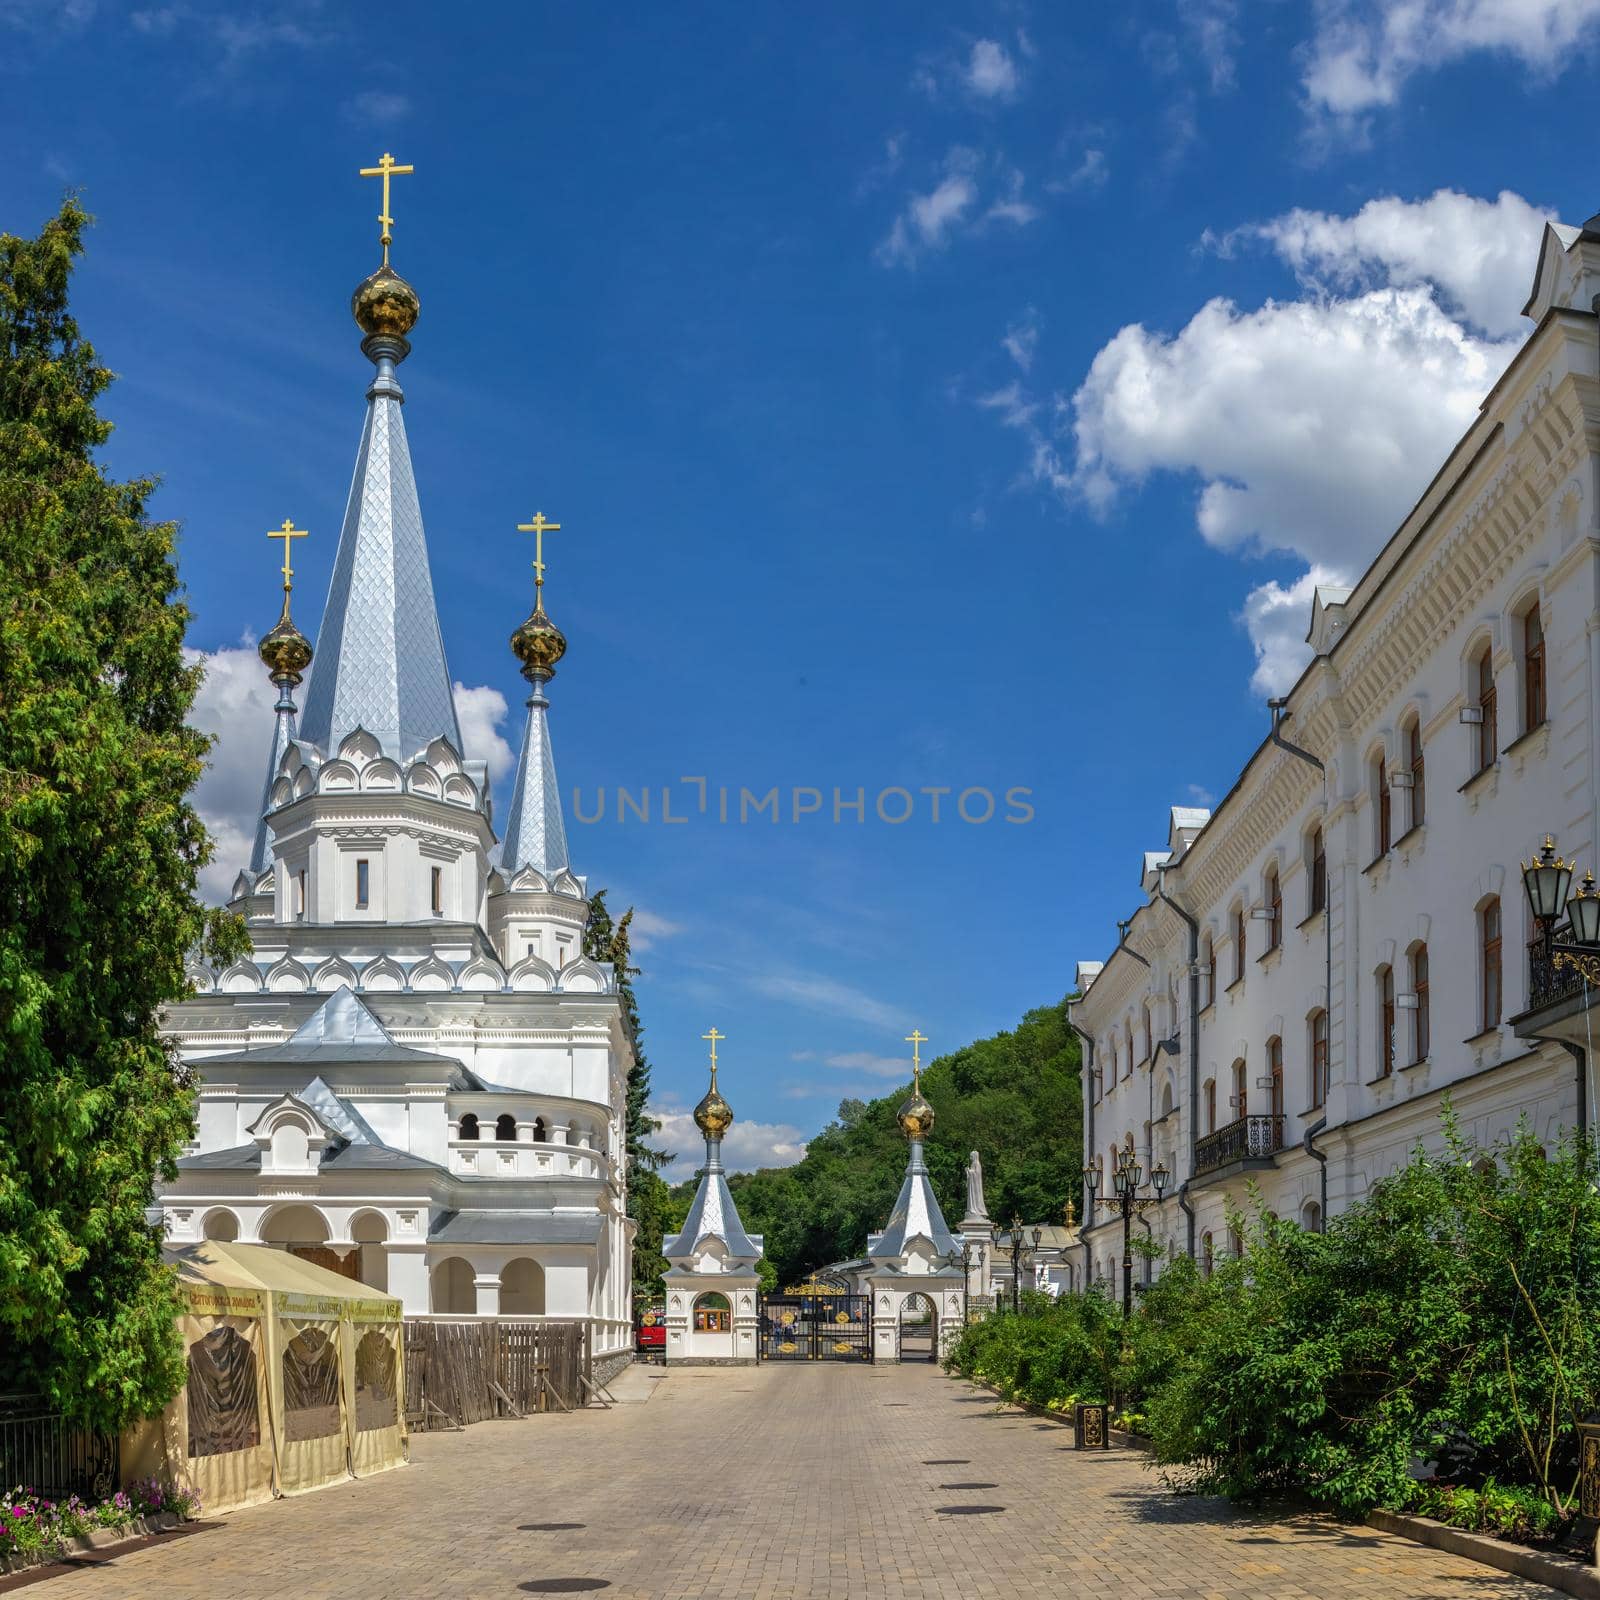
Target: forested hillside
1016	1098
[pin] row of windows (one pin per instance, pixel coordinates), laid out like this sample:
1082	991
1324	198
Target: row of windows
1415	1002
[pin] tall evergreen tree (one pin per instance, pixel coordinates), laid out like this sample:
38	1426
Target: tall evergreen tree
100	852
607	940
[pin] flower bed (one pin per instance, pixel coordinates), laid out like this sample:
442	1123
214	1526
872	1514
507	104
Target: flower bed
34	1528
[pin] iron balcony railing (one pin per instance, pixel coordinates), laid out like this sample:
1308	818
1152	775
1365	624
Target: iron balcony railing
1549	983
1244	1139
43	1452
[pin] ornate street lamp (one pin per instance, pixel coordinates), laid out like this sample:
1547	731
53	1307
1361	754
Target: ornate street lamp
1126	1176
1547	882
962	1258
1019	1254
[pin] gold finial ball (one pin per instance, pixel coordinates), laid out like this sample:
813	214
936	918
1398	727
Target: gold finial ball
538	644
285	650
915	1116
713	1116
385	304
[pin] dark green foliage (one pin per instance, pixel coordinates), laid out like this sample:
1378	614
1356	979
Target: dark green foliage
1450	1321
100	852
1016	1097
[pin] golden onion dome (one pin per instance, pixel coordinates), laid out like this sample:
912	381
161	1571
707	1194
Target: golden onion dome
285	650
539	644
385	304
713	1116
915	1116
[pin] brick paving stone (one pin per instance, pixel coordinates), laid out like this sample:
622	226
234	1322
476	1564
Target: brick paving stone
785	1481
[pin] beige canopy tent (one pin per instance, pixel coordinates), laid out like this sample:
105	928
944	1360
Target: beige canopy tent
296	1380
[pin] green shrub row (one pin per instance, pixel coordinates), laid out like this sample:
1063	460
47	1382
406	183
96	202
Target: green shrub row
1443	1332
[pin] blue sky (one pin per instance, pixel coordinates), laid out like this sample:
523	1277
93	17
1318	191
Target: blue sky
933	396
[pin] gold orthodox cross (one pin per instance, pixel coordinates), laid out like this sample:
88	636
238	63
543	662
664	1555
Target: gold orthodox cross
386	169
916	1039
713	1036
539	528
287	532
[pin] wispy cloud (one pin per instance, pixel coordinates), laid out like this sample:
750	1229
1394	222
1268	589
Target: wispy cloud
873	1066
930	220
1022	339
377	107
828	996
991	71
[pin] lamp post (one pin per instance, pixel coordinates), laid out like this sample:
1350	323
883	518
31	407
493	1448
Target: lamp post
1019	1253
1126	1176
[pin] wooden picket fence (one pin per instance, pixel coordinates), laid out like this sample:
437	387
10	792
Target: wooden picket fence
463	1372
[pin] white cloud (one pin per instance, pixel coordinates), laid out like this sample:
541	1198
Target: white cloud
828	995
1311	425
1199	794
1276	617
748	1145
929	221
1022	339
1363	52
990	73
377	106
1479	253
481	711
235	705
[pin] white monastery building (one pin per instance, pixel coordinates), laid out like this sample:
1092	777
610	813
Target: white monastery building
416	1077
1311	967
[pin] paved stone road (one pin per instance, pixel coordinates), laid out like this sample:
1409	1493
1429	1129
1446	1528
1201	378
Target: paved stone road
774	1482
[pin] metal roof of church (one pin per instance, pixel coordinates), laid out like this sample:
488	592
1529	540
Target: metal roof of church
380	662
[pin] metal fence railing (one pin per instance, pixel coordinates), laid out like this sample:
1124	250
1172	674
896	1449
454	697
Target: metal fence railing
44	1452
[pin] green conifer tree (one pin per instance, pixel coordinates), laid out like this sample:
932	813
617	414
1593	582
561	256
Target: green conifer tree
100	852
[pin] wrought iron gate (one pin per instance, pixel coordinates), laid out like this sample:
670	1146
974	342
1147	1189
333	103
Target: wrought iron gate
815	1322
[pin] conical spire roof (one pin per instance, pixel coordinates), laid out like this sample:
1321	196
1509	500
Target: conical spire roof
536	835
380	656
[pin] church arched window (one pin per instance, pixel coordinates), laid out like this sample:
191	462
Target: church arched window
469	1126
541	1134
505	1126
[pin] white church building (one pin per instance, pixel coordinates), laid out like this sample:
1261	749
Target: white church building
1309	969
416	1077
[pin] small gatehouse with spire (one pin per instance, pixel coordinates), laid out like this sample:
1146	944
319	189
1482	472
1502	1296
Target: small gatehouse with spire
711	1281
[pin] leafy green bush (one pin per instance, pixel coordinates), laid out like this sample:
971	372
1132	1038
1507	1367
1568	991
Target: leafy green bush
1449	1322
1509	1511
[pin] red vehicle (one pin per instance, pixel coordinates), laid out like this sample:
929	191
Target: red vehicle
650	1337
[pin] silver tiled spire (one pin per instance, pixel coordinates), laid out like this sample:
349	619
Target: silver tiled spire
916	1214
536	835
380	657
283	735
713	1215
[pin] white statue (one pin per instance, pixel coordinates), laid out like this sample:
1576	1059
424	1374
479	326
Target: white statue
975	1207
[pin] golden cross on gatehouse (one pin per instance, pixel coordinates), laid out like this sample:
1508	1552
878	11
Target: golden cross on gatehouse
713	1036
386	169
916	1039
539	528
287	532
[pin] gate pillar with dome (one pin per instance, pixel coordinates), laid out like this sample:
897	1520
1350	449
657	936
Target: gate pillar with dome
711	1282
